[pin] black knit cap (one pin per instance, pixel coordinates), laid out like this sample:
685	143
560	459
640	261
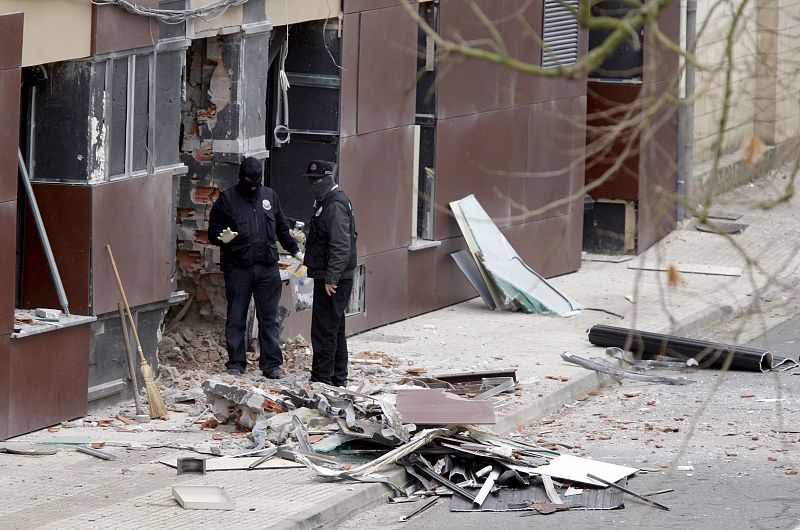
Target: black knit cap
319	169
251	169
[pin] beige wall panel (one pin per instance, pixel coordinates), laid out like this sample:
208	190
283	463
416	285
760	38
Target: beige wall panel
787	90
294	11
54	30
231	18
711	45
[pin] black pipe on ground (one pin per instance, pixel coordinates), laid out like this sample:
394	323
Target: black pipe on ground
708	354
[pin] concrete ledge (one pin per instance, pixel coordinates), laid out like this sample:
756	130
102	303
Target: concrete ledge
733	172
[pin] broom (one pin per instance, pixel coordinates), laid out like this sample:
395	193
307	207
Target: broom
154	400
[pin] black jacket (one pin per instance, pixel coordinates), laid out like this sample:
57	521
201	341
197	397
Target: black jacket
259	222
331	241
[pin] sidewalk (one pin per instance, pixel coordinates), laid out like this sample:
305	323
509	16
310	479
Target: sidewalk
71	490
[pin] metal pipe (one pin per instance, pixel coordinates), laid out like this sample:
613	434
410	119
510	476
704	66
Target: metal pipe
708	354
686	113
48	252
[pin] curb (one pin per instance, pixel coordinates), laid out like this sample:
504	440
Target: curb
337	509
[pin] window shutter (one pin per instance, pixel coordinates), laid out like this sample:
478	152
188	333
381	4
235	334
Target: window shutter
559	33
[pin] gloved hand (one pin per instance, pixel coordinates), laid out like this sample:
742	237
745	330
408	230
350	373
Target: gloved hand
299	256
227	235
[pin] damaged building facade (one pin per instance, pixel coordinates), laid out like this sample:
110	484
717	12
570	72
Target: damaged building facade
131	125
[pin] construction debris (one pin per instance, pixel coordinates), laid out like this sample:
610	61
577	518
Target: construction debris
602	366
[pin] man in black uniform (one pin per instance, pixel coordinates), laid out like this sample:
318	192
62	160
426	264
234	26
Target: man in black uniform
245	221
331	259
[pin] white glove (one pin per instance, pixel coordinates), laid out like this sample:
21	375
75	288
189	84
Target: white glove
299	256
227	235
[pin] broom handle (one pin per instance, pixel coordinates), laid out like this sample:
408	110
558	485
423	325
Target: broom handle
125	301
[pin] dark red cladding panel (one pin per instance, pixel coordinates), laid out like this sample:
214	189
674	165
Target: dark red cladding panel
467	86
134	216
54	367
11	40
66	211
375	171
348	98
387	70
607	106
8	241
9	132
5	359
115	29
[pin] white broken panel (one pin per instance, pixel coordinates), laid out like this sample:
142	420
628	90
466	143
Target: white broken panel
514	285
575	468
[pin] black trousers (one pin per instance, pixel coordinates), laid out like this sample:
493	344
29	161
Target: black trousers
262	282
329	364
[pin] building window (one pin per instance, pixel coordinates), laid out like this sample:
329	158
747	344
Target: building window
127	115
560	33
425	136
625	62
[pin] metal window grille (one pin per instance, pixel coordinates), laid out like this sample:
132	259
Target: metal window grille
560	33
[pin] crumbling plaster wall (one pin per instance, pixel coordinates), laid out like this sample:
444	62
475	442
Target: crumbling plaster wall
223	120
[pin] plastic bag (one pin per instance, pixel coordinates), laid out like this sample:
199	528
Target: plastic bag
302	288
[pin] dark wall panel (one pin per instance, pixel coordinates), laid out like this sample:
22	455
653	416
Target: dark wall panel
132	215
434	280
376	170
467	86
168	108
50	378
348	114
8	242
11	40
116	29
549	245
66	212
553	133
658	163
9	133
661	63
386	70
386	290
474	155
606	106
61	143
5	359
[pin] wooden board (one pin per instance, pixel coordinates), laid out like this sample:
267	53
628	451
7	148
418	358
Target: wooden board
436	407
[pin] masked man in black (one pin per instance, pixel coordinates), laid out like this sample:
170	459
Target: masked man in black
331	259
245	221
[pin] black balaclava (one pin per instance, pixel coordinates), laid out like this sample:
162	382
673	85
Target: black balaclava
321	186
250	174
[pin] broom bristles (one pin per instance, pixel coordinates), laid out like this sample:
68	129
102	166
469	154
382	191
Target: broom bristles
158	409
